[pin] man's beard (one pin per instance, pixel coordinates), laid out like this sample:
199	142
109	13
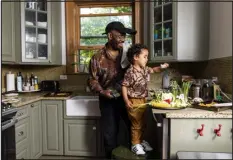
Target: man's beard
114	44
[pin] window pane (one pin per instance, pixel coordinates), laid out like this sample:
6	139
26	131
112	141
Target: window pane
86	41
85	56
84	59
95	26
96	10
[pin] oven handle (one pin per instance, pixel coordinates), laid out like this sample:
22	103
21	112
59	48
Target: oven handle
8	125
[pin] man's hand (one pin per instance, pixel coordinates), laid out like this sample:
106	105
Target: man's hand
106	93
128	104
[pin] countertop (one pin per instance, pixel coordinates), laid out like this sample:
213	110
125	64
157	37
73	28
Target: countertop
193	113
27	98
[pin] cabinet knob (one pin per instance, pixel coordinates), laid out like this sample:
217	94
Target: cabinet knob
20	133
94	128
217	131
200	130
32	105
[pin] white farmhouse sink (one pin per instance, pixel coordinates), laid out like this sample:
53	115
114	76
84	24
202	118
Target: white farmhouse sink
83	106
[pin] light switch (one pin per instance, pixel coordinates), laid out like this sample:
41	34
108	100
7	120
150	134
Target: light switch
63	77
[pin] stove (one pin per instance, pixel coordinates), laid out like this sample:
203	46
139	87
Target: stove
8	122
7	109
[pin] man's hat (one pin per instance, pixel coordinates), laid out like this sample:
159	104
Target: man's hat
118	26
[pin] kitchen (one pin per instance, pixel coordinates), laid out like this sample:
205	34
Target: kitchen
48	126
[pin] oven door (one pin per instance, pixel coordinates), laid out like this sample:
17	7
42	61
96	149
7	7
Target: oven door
8	140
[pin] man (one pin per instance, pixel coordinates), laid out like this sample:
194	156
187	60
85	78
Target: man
107	68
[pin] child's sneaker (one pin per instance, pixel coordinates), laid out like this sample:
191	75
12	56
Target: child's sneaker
138	149
146	146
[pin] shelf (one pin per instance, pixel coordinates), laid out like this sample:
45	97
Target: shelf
158	40
166	4
34	10
167	21
30	42
39	11
159	6
167	39
158	23
42	43
30	26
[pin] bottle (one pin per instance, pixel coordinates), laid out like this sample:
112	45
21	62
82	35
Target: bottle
216	89
36	86
19	81
32	81
206	91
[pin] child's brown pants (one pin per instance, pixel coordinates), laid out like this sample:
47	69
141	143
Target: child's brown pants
137	120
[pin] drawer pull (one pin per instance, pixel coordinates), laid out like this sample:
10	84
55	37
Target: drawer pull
200	131
217	131
32	105
20	133
94	128
20	114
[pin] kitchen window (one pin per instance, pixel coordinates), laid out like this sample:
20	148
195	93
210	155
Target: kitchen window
85	23
91	22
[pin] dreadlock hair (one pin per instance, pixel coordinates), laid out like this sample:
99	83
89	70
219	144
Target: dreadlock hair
135	50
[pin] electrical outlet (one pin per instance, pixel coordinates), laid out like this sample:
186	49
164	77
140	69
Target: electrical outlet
63	77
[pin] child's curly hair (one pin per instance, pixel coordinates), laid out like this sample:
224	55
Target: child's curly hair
135	50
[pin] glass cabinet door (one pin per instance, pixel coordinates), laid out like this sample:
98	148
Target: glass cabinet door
162	39
36	34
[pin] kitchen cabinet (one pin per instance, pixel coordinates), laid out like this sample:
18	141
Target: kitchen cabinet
36	31
8	30
172	135
80	137
22	136
184	136
178	31
52	127
35	130
35	37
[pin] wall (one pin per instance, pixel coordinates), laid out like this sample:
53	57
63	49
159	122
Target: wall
221	68
43	72
220	29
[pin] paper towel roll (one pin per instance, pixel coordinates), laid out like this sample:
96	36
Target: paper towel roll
10	82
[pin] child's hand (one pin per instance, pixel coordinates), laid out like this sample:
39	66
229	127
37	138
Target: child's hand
129	104
165	65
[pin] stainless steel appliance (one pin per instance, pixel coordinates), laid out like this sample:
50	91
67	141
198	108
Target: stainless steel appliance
8	131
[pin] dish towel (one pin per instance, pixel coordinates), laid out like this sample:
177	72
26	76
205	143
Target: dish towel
124	60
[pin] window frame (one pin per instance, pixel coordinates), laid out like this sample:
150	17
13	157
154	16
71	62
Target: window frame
80	47
73	28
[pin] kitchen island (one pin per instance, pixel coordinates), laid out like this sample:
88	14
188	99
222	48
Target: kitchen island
191	129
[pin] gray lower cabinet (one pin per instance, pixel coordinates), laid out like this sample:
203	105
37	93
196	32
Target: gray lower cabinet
36	130
184	136
22	136
81	137
8	30
52	127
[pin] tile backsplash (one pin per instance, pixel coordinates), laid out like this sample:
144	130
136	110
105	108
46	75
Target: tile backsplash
221	68
42	72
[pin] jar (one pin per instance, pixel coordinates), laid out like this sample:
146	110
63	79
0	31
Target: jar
206	91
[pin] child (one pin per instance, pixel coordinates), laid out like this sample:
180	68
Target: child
134	90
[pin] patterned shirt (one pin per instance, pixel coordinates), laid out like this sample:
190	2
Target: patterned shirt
105	72
136	82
